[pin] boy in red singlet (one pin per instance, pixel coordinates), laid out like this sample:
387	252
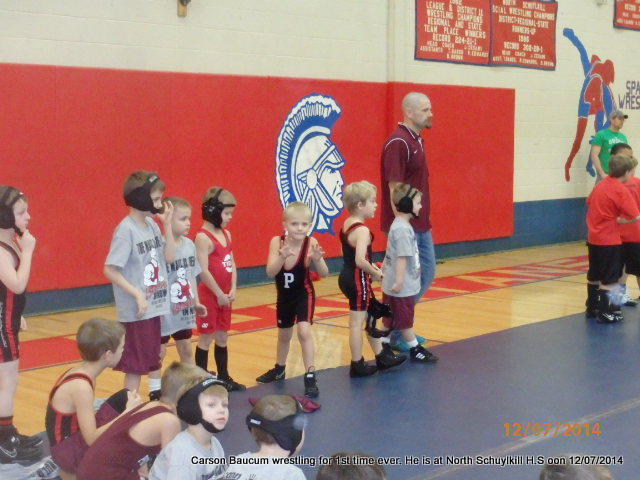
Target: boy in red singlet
355	278
72	425
16	251
217	289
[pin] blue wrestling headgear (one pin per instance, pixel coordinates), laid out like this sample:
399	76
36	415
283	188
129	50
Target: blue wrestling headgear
140	197
212	209
287	431
188	408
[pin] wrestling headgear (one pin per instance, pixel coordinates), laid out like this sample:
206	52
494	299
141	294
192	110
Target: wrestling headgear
188	408
405	204
376	310
212	209
287	431
140	197
8	200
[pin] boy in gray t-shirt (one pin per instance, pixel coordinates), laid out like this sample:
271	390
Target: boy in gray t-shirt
137	267
401	270
277	424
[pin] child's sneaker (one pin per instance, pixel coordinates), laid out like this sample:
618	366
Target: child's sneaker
276	373
361	369
627	301
155	395
421	354
310	385
231	385
387	359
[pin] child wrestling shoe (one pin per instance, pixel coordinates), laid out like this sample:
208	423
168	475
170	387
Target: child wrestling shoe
607	317
231	385
25	440
310	385
361	369
12	452
421	354
387	359
276	373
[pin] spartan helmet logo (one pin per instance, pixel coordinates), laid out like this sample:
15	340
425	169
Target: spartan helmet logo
308	163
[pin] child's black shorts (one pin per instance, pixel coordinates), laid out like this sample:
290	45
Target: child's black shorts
605	263
631	258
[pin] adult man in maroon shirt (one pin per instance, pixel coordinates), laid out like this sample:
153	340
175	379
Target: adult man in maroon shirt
404	161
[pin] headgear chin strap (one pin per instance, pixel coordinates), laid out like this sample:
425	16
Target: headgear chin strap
140	197
287	431
7	217
188	408
212	209
405	205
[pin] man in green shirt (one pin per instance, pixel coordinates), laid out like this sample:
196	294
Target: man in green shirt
604	140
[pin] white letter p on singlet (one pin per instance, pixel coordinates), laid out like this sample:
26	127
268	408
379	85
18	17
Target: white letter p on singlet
288	279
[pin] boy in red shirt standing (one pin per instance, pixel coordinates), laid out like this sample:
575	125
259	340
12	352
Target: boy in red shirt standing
609	205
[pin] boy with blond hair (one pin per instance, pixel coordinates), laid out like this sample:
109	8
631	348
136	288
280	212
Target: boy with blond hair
183	292
401	270
140	433
290	258
203	404
277	425
218	278
71	423
355	278
137	267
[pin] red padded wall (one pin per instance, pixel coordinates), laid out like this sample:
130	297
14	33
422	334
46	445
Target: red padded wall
69	137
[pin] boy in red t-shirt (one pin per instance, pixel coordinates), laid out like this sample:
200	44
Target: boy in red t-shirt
609	205
630	234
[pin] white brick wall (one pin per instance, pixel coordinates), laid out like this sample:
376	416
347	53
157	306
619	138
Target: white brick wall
362	40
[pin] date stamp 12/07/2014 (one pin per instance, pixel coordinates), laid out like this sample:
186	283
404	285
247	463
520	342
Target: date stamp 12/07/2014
552	429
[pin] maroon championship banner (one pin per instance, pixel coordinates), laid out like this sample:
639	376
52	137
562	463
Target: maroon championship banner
627	14
523	33
453	31
519	33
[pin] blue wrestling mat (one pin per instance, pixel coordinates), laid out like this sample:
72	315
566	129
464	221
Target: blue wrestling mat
493	408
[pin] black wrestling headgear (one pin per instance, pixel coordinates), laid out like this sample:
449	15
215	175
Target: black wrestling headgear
376	310
287	431
140	197
405	205
188	408
212	209
7	218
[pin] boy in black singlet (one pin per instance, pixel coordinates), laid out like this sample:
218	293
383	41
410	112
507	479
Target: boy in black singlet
290	256
16	251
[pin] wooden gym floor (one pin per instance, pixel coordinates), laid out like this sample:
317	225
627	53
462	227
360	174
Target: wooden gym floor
471	297
502	299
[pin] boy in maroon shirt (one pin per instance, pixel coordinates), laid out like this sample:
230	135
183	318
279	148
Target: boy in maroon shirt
609	205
